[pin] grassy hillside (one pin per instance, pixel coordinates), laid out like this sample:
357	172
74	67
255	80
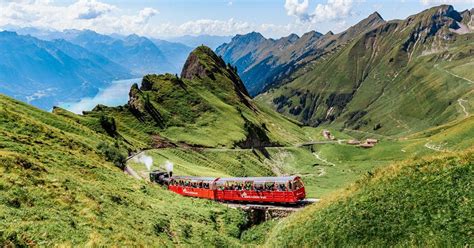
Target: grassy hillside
206	106
62	181
399	78
426	202
58	189
325	168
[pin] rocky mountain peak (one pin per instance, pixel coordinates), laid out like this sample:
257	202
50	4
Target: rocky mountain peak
375	16
311	35
250	37
292	37
329	33
202	62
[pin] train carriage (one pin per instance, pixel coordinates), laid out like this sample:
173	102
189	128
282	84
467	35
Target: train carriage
202	187
261	189
289	189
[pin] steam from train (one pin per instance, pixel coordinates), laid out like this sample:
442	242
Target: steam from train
144	159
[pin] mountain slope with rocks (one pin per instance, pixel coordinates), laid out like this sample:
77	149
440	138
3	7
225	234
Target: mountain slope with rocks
263	63
400	77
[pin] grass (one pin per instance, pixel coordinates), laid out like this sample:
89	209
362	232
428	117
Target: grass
426	202
57	189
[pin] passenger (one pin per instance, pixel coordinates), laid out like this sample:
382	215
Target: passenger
248	186
281	187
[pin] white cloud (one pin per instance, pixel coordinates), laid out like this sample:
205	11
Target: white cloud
90	9
295	8
82	14
437	2
107	18
330	11
207	26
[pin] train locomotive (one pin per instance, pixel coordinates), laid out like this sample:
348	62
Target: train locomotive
284	190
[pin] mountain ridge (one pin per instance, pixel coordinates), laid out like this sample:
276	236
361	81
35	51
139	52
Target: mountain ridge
34	70
351	88
264	63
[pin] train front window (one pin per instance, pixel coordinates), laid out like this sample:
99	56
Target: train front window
298	184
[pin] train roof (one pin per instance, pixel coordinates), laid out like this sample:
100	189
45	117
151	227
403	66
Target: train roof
238	179
194	178
258	179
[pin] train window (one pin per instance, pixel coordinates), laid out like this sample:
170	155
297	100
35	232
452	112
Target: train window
258	186
281	187
248	185
269	186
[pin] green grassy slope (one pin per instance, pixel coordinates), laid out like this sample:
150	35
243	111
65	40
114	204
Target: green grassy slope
325	168
206	106
399	78
57	189
426	202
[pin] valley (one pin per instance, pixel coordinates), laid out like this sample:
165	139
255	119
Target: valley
376	120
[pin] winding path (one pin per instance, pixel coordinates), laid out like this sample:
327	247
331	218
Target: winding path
454	75
322	159
460	101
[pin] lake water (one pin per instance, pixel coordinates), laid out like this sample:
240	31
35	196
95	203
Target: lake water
114	95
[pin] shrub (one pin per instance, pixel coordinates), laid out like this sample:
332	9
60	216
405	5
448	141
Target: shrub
112	154
108	124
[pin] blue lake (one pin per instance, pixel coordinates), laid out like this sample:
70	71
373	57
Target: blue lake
114	95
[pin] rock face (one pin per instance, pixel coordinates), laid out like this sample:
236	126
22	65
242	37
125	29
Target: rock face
202	62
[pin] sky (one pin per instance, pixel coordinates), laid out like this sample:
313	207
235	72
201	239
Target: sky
168	18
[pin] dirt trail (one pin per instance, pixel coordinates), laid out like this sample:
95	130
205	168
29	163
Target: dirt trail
322	159
434	147
460	101
454	75
401	123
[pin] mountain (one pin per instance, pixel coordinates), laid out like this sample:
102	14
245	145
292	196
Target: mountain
263	63
174	53
47	72
66	180
400	77
211	41
206	106
137	53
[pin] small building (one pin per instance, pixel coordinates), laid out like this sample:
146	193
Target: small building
372	141
353	142
327	135
367	145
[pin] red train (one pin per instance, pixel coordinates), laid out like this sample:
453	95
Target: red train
289	189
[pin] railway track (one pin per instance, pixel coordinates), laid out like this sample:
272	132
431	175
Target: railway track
282	207
259	213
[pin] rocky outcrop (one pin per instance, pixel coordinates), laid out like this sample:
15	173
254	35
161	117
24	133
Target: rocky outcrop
141	107
202	62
